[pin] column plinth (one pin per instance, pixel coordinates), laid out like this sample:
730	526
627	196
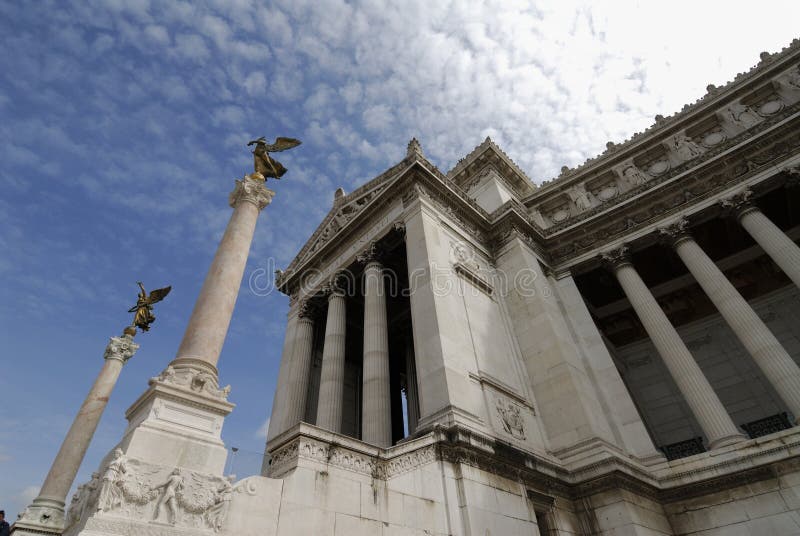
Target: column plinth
331	386
46	514
695	388
376	426
773	360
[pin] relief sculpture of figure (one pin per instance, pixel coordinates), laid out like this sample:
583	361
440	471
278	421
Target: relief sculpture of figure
144	306
634	176
169	497
793	80
81	499
218	512
741	115
111	487
685	147
265	166
580	197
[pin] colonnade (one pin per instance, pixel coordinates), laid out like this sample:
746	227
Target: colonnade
376	417
767	352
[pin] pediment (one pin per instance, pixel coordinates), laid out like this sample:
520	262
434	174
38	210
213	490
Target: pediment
488	157
344	211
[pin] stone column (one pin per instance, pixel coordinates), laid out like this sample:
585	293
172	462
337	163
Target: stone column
376	425
279	400
769	236
769	355
46	514
331	383
300	369
703	401
412	400
208	325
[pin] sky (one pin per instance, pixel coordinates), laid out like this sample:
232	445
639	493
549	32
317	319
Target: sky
123	125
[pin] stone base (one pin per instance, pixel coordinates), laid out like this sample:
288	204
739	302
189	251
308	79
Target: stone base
42	517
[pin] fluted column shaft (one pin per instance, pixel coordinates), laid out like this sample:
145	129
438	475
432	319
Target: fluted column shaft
376	426
53	493
278	417
331	384
695	388
208	325
769	355
769	236
299	372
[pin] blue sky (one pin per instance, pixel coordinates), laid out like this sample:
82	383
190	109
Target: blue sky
123	124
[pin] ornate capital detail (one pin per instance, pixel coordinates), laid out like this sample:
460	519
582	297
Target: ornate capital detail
617	258
121	348
739	202
339	284
399	227
794	176
192	379
373	253
251	190
306	309
676	231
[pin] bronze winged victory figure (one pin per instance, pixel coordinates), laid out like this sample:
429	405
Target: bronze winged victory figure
144	306
264	164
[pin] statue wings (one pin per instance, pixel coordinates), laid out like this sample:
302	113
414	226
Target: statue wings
281	144
158	294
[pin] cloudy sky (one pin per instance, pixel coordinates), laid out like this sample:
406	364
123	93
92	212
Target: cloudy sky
123	124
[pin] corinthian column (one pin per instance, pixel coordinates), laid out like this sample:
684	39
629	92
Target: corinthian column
755	336
376	426
331	385
46	514
300	369
778	246
208	325
699	395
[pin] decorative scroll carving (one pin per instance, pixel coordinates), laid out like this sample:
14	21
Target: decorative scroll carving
675	231
372	253
121	348
195	380
617	257
251	191
738	202
306	309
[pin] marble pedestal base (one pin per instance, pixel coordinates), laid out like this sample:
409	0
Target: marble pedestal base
166	474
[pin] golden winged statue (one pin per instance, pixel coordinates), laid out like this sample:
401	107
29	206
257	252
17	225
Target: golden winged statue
144	306
266	166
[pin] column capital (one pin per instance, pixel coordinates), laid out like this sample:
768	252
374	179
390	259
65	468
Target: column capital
338	285
121	348
306	310
617	258
794	175
739	203
251	190
372	254
676	231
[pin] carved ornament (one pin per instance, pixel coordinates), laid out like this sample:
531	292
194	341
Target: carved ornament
250	190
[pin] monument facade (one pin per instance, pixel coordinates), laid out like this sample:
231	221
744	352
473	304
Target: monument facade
611	352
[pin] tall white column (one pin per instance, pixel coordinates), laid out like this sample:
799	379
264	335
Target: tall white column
46	514
769	236
695	388
277	417
300	369
331	384
208	325
376	425
755	336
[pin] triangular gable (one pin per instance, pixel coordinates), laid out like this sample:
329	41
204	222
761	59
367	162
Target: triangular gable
489	154
344	211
